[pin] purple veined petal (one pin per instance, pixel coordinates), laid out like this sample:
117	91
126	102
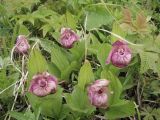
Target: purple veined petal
108	61
109	58
98	93
43	84
22	45
38	91
68	37
121	60
102	82
52	86
63	30
120	55
101	100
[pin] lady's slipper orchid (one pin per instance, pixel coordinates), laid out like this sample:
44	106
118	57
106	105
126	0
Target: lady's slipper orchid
43	84
22	45
98	93
68	37
120	55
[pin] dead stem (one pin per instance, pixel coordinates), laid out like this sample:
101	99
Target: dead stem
22	79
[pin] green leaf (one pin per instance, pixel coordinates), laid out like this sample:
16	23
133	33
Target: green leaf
18	116
103	52
43	12
28	115
157	41
148	61
93	49
17	5
78	101
120	110
117	30
66	73
7	79
85	75
158	67
115	86
2	10
103	37
59	59
36	63
78	51
23	30
50	105
47	45
71	21
25	18
65	61
46	28
37	113
97	16
52	68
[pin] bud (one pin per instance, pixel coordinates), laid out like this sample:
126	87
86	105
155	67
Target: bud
98	93
120	55
22	45
43	84
68	37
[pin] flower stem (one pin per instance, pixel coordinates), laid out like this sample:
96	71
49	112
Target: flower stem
85	25
117	36
138	113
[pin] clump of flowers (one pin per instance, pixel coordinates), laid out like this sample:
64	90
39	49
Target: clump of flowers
43	84
98	93
22	45
68	37
120	55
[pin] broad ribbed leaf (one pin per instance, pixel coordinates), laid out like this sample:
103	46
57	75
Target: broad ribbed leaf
23	30
47	45
52	68
36	63
120	110
85	75
59	59
71	21
66	73
16	5
117	30
115	86
103	52
148	61
47	103
21	116
78	101
46	28
97	16
158	67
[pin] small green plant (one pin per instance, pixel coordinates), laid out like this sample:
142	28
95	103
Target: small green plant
79	59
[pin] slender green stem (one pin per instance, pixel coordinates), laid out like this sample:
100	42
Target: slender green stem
138	113
85	25
117	36
8	87
108	4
